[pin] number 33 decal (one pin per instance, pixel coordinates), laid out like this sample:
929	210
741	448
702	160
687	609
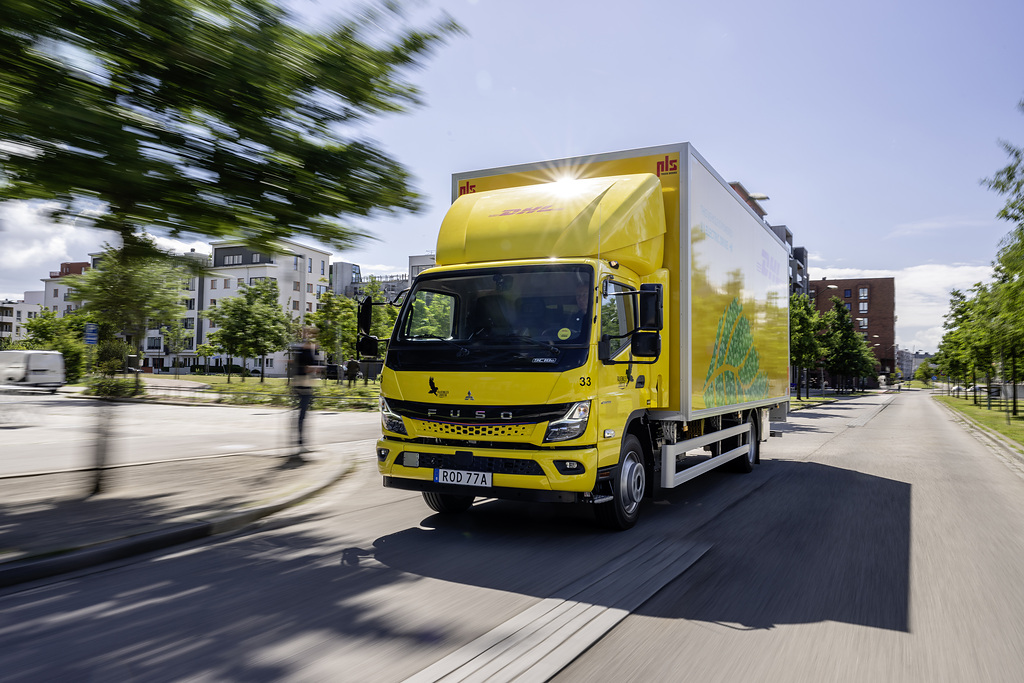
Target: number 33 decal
584	381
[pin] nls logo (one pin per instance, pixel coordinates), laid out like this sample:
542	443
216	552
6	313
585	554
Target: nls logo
466	188
668	166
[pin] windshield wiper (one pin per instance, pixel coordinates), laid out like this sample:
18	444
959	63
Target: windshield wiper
463	351
530	340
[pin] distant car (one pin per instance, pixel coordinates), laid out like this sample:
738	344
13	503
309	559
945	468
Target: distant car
32	369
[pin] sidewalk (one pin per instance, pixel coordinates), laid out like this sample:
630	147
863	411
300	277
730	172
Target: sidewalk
49	526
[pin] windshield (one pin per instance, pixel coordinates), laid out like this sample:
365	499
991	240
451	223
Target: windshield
534	315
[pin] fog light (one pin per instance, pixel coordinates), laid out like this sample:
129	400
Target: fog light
382	454
569	467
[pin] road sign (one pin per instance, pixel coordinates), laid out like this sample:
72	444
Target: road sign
92	333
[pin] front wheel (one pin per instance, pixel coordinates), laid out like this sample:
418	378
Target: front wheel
628	487
447	503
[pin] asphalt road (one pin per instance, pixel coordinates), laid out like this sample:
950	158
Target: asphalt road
876	542
43	432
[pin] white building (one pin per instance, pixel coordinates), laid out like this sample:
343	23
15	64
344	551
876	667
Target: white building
14	314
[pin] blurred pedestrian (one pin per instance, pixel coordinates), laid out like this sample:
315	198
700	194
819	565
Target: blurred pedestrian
352	372
302	386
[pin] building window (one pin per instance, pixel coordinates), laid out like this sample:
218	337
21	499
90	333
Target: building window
295	263
255	258
863	323
190	304
213	303
213	283
188	323
152	343
241	281
309	287
847	293
322	268
233	260
296	286
189	343
863	306
55	294
847	306
309	269
863	292
270	363
295	305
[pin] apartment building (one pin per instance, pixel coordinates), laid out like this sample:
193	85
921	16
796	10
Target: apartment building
872	306
57	293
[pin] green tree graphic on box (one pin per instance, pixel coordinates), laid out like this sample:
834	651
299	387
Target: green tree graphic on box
734	374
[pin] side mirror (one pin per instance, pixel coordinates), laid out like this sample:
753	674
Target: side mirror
646	344
364	318
367	346
650	305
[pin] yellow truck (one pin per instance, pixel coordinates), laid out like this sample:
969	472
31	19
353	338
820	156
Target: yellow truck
596	328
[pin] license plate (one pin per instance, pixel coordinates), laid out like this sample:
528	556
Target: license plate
462	477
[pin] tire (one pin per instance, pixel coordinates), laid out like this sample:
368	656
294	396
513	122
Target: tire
629	486
446	503
745	463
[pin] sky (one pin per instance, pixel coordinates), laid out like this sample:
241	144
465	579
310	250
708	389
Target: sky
869	125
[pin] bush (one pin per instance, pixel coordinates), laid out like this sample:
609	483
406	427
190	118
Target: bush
113	387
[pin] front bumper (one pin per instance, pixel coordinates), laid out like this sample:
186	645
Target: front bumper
517	474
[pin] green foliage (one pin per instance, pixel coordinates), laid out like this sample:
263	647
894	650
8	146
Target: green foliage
847	354
50	332
113	387
805	327
205	117
734	374
335	324
112	356
132	289
251	324
925	371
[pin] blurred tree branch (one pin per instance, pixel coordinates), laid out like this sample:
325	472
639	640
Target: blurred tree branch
209	118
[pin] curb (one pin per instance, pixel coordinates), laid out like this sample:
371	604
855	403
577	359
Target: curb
75	559
1010	449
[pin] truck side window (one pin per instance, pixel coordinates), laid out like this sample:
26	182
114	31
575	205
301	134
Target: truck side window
430	316
618	315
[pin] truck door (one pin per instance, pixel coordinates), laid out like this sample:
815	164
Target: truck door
618	392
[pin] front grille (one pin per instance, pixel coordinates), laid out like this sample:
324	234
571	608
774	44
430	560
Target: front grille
501	431
475	463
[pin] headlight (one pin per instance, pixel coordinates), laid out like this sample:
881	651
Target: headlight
571	425
390	420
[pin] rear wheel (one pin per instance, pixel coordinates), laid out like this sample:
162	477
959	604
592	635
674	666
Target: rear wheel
745	463
628	488
446	502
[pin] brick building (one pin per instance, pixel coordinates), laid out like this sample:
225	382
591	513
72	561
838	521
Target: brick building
872	305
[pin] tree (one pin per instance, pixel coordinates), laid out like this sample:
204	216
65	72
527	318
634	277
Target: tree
50	332
335	324
205	351
252	323
132	290
805	326
209	118
846	352
925	371
176	338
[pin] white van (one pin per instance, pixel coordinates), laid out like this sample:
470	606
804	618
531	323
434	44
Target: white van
32	369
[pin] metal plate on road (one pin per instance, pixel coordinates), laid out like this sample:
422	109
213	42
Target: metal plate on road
463	478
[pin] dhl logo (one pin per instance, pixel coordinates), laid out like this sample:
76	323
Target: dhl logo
529	209
466	188
667	166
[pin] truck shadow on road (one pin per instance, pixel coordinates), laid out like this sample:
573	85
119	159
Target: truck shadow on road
795	542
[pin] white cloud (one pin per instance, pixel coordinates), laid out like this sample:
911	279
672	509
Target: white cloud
922	296
32	245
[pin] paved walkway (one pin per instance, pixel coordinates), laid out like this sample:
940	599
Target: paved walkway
50	524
